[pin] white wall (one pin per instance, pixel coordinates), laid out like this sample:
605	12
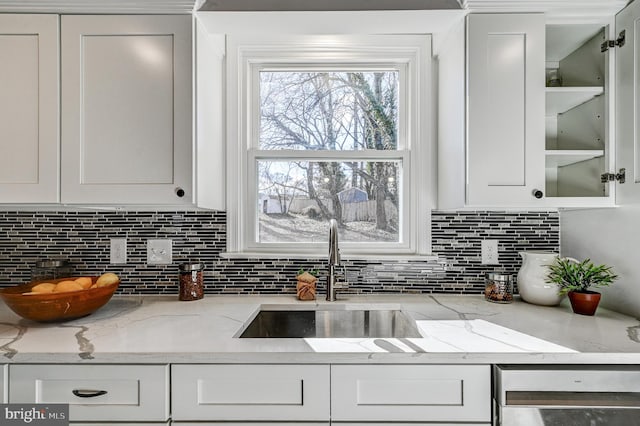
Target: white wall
609	236
210	158
450	57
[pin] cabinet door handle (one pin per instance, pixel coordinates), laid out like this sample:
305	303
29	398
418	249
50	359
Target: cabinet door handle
88	393
537	193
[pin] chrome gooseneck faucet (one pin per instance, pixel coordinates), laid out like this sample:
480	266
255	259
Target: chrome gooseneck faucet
334	261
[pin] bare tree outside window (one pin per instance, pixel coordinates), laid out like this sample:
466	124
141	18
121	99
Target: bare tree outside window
337	112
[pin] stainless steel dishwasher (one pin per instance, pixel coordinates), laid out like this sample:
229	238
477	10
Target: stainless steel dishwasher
566	395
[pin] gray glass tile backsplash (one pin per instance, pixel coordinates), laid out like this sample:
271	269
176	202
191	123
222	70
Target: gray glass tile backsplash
83	239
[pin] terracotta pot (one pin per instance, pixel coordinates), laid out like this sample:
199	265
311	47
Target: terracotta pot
584	303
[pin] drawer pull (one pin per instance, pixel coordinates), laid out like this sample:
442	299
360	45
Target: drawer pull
88	393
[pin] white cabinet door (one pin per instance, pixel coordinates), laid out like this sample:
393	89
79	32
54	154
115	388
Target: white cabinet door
410	393
258	424
29	122
506	109
627	108
410	424
95	392
250	392
126	109
127	424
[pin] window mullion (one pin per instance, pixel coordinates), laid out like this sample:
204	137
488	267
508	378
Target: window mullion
362	155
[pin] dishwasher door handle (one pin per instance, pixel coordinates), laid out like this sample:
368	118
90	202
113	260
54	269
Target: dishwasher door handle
572	399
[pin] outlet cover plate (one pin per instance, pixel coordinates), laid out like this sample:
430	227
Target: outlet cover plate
489	252
159	252
118	251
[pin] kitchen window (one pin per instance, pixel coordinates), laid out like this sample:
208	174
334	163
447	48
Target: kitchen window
322	127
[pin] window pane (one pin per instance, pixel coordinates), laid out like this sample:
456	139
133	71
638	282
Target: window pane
296	199
328	110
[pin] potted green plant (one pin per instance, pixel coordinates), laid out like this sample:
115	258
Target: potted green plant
576	278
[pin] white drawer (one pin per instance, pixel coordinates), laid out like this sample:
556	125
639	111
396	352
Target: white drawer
412	393
125	424
257	424
126	392
250	392
406	424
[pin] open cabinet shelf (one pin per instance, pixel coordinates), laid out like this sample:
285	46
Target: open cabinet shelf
565	157
576	115
561	99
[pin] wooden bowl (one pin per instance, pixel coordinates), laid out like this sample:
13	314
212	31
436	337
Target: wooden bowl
50	307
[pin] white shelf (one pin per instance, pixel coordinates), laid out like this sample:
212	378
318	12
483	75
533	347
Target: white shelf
560	158
562	99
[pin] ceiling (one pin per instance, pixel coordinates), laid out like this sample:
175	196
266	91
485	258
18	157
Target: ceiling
325	5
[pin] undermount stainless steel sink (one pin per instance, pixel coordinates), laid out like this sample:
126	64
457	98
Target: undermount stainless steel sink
330	323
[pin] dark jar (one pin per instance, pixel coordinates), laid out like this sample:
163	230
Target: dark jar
50	269
498	288
191	281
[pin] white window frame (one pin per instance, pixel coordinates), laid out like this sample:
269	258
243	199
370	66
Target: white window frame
247	55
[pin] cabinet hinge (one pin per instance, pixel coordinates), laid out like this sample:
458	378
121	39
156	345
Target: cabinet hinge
610	44
610	177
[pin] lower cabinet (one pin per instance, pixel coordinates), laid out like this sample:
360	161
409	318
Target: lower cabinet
121	393
410	393
292	393
257	394
316	394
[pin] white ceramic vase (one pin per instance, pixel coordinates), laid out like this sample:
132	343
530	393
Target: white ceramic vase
532	278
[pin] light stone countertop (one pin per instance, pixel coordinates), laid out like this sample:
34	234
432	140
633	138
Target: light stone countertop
456	329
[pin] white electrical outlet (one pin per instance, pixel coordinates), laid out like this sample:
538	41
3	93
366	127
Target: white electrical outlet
490	252
118	252
159	252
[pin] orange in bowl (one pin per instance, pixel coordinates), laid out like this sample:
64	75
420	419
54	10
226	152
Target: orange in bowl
66	286
58	305
44	288
85	282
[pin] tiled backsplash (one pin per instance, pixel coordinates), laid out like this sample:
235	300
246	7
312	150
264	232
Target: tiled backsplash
83	239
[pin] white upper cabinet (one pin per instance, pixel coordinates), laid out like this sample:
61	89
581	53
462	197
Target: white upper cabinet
539	106
29	125
126	109
505	109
